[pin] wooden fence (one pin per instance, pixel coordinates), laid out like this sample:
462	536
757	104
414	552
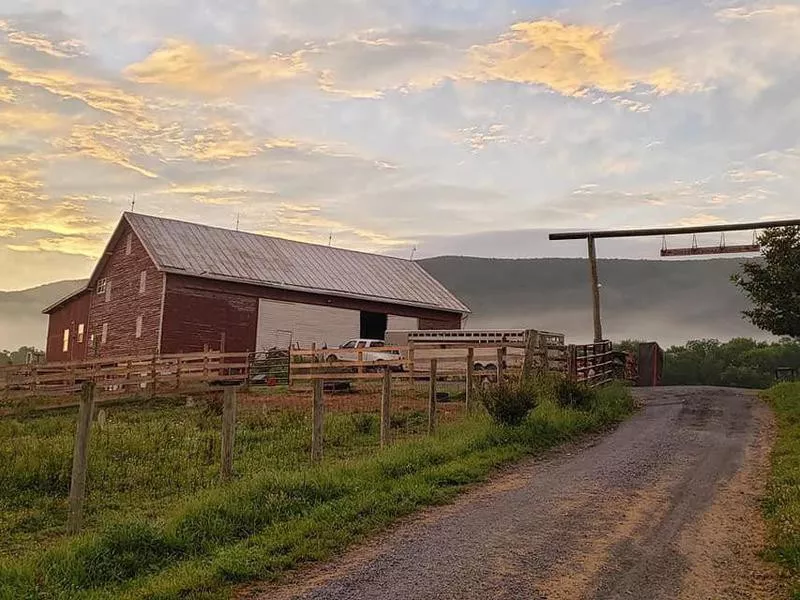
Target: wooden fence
125	376
152	375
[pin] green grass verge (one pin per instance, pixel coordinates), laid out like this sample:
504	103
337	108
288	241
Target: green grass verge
262	525
782	504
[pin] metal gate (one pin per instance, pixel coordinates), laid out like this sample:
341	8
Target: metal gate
270	366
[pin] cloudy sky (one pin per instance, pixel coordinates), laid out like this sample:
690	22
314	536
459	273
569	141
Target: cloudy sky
457	126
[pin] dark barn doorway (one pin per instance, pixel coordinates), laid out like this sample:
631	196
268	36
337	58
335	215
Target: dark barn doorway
373	325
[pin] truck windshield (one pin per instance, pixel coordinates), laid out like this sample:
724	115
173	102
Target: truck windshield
350	344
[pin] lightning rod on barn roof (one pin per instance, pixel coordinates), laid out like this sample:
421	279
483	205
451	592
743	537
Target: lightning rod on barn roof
133	202
237	221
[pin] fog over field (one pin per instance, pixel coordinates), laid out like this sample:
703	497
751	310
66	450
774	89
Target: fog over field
667	301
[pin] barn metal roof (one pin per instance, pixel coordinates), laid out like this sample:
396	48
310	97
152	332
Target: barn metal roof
224	254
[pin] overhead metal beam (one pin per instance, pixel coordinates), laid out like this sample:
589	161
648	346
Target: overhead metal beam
627	233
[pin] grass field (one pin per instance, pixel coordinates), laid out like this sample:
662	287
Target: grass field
159	526
782	505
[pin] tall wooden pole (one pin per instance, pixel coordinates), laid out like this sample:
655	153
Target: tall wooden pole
598	325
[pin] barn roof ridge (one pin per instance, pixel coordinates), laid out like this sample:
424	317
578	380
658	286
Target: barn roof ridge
239	256
264	235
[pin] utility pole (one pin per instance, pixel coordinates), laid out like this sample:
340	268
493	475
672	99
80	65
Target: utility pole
598	325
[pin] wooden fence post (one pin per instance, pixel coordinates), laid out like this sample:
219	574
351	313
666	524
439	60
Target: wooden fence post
360	357
411	361
247	367
80	458
178	364
228	432
386	409
531	348
318	417
432	399
470	378
154	377
501	358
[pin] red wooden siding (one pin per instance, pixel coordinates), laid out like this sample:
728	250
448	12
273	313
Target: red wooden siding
199	317
197	312
123	273
446	321
70	315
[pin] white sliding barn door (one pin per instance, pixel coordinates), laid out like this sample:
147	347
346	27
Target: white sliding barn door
307	323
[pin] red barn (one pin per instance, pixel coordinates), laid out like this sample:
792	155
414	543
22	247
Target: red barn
165	287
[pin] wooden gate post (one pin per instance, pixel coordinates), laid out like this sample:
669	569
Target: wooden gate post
501	358
531	350
228	432
470	378
318	417
386	409
432	399
80	458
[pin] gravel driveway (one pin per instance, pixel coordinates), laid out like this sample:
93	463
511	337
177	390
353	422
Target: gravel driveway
664	507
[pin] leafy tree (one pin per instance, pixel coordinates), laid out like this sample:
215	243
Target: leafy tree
773	285
738	363
19	356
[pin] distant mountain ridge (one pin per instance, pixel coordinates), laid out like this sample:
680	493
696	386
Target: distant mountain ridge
667	301
21	320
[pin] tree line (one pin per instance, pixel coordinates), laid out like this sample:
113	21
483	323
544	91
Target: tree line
738	363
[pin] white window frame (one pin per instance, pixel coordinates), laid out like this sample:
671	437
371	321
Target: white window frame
81	332
101	286
65	343
139	323
142	282
104	334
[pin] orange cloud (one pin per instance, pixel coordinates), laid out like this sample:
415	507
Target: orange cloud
569	59
219	70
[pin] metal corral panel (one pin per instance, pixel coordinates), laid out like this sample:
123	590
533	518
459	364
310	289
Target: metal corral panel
215	253
322	325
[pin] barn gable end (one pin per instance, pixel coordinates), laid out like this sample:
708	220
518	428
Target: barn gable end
125	291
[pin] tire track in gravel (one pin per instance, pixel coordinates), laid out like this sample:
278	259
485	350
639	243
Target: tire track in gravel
664	507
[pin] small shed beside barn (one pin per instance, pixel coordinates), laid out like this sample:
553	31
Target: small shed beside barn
164	286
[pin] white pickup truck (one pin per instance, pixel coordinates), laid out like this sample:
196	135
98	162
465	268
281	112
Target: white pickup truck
371	352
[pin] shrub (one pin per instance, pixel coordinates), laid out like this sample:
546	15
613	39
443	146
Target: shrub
573	394
509	403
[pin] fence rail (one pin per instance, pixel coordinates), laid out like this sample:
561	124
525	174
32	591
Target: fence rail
593	364
152	375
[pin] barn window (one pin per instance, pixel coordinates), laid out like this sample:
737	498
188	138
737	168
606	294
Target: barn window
104	334
65	345
139	320
143	282
80	333
128	245
101	286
